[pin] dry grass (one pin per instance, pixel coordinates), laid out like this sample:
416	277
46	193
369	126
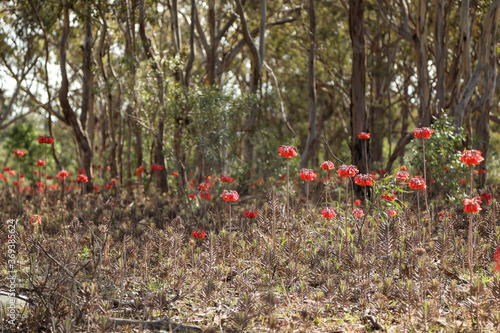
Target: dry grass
133	260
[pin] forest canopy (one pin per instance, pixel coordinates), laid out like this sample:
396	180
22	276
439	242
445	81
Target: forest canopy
208	87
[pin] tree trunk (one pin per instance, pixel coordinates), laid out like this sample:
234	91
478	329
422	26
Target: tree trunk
420	45
358	83
159	157
312	137
440	53
80	135
488	89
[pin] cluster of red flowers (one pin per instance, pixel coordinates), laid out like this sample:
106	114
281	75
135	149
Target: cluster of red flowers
199	233
108	186
226	179
174	173
392	212
472	205
250	214
307	174
364	179
417	183
357	202
62	175
82	178
19	152
364	136
205	195
347	170
424	132
287	151
81	171
230	195
328	213
358	213
192	195
45	139
37	219
389	197
328	166
156	166
139	171
41	162
486	197
471	157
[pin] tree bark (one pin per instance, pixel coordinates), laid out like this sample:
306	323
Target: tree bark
358	83
440	54
159	157
80	135
312	136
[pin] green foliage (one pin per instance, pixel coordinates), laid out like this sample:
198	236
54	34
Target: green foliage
442	154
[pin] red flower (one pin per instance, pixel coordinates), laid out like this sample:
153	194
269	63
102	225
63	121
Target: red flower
403	168
41	162
417	183
402	176
287	151
392	212
205	195
37	219
19	152
138	171
97	188
496	257
389	197
7	169
471	157
347	170
82	178
486	197
199	233
156	166
328	166
472	205
45	139
114	181
109	168
12	172
230	195
444	214
174	173
63	174
424	132
382	171
192	195
358	213
21	175
307	174
81	171
357	202
226	179
328	213
364	136
100	166
108	185
462	181
481	171
204	187
35	172
250	214
364	179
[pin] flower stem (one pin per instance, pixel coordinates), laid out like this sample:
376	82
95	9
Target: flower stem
230	242
366	155
307	197
287	194
469	238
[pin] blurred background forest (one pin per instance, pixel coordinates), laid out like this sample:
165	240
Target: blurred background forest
215	87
